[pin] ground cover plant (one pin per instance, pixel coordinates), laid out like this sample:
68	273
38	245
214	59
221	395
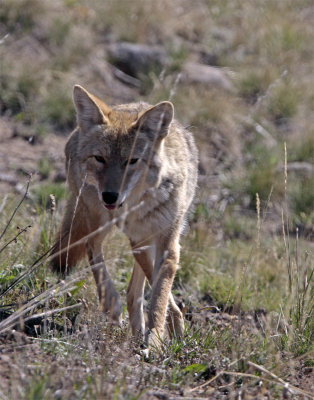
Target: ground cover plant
240	75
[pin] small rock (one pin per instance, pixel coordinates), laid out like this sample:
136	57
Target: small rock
206	75
134	59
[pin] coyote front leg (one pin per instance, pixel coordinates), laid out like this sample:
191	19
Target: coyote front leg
135	298
146	259
166	262
109	298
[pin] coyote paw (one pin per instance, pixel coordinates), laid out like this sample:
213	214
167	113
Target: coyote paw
145	354
151	346
153	339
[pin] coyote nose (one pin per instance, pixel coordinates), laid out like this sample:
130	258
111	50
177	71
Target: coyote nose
110	197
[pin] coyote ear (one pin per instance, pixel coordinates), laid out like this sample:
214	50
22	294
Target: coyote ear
88	111
156	120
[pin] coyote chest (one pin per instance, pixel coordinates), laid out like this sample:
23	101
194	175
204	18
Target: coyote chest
150	212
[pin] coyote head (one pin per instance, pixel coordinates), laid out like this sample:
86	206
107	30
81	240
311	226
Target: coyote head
120	149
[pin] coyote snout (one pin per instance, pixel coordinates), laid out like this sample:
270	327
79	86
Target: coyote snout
135	166
110	199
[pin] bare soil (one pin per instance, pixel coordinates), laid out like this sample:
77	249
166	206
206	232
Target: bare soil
20	152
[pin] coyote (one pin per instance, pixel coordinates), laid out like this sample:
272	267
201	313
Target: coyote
135	167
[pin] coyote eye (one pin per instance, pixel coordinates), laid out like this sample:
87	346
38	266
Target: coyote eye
100	159
132	161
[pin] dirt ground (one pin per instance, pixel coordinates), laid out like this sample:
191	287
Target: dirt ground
20	154
110	358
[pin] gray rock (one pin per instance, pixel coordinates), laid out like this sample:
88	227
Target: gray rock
135	59
193	72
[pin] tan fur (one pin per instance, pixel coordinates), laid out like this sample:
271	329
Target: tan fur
147	159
